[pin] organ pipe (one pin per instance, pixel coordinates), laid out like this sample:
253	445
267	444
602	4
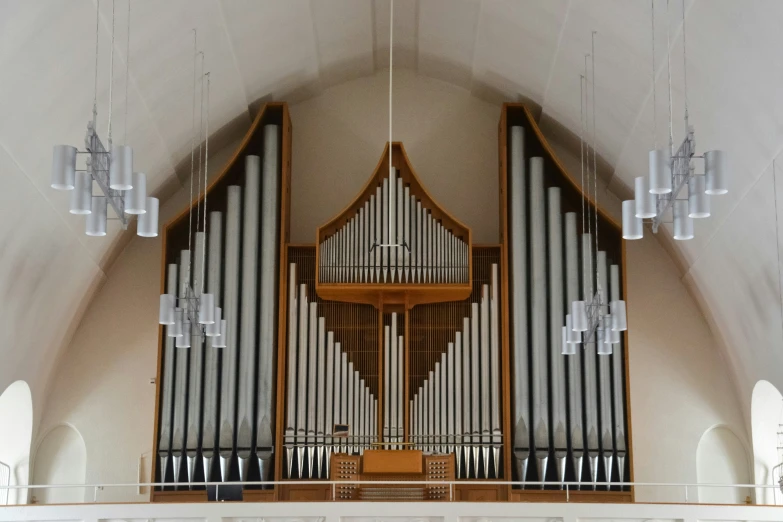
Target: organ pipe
518	272
164	433
605	380
618	371
575	410
195	373
540	413
591	394
231	315
181	375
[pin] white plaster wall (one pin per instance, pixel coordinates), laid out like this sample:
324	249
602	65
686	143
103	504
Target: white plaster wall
766	417
16	430
722	458
61	458
678	380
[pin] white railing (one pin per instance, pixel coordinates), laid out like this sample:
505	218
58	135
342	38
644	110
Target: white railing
5	480
666	492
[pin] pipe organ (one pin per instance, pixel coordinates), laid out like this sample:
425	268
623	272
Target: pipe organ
393	348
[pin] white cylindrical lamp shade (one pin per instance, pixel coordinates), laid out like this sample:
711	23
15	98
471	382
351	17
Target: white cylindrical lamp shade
136	197
63	167
632	225
121	168
206	309
698	200
175	330
184	340
220	340
96	219
574	337
166	313
683	223
213	330
645	201
604	346
619	318
715	172
81	196
579	316
567	348
147	225
660	172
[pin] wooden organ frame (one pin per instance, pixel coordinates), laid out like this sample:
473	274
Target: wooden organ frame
401	298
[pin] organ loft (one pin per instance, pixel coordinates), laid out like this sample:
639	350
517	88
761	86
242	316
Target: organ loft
393	354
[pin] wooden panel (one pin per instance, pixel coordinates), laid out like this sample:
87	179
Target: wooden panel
531	495
259	495
179	496
306	492
480	493
392	461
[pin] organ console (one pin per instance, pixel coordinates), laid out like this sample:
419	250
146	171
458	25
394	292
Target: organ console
393	338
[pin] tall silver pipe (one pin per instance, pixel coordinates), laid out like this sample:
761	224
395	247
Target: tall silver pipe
312	367
467	395
618	371
458	392
494	330
181	373
604	363
437	390
386	384
520	372
247	334
329	398
443	403
355	411
265	404
575	360
485	378
591	393
338	389
539	323
400	408
371	239
385	228
451	391
556	317
215	258
164	434
301	381
351	405
293	332
475	388
399	193
406	236
394	402
319	382
431	440
231	314
195	374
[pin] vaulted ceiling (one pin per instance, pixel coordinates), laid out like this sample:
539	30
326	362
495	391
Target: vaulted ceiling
530	50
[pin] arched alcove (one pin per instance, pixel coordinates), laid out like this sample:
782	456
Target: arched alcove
721	458
16	418
766	412
61	458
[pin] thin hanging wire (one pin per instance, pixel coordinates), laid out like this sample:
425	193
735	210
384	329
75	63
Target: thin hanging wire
586	187
655	98
127	77
391	57
192	137
595	161
669	73
111	69
582	141
206	165
97	39
684	66
777	237
200	139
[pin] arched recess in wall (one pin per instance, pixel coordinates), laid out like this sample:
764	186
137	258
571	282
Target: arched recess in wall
16	410
766	416
721	458
60	458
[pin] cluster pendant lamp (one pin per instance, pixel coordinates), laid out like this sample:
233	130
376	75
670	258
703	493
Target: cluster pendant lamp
670	171
110	168
189	313
596	319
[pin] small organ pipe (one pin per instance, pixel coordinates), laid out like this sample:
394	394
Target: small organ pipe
301	396
475	397
485	374
467	410
293	323
164	434
458	392
451	392
494	329
319	382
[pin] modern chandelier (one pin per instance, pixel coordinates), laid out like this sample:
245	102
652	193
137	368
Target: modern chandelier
110	167
671	171
191	312
599	319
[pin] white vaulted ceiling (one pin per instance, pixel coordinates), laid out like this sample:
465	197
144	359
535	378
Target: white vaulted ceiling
531	50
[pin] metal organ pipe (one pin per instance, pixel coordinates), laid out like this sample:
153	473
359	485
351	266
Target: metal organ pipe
231	315
604	365
591	393
164	433
195	374
247	333
618	371
555	249
265	413
181	374
293	323
574	360
519	375
540	414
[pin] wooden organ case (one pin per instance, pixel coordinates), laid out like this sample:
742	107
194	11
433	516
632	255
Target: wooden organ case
402	351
